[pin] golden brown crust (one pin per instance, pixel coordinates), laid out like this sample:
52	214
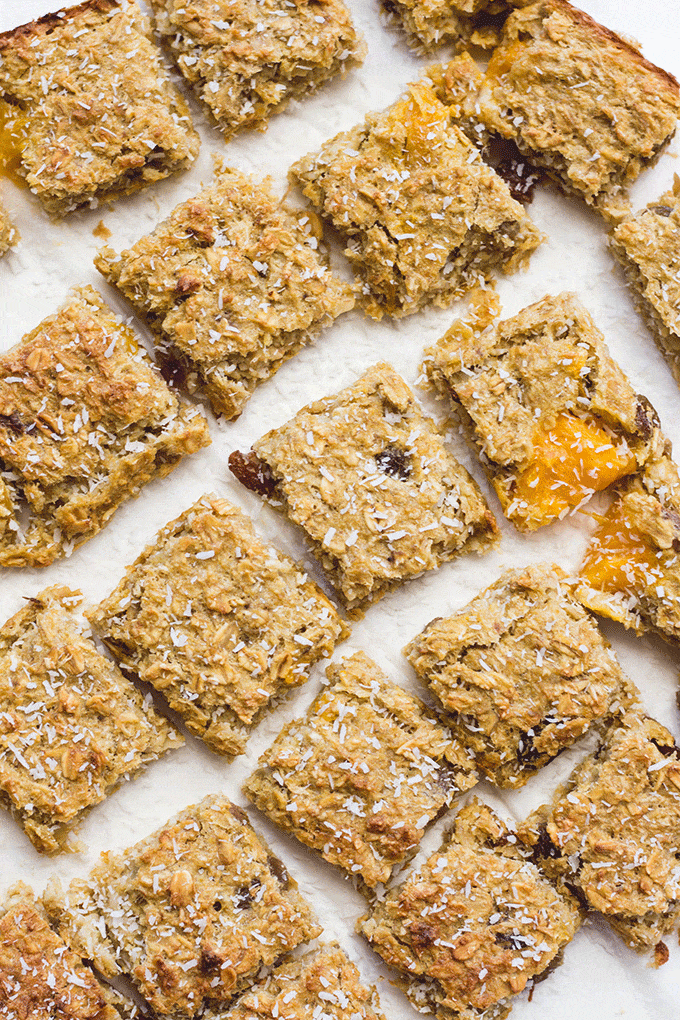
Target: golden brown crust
43	25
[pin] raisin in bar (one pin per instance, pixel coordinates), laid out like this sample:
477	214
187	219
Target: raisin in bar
521	673
88	108
367	477
431	23
423	216
71	726
612	833
647	245
246	60
474	925
552	414
191	914
363	774
231	285
631	571
85	422
577	100
322	985
218	621
40	976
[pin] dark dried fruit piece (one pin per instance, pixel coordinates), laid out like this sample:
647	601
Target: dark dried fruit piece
395	462
279	870
253	472
13	421
646	418
544	846
509	163
662	210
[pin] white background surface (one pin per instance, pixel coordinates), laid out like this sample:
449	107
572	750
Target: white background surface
600	978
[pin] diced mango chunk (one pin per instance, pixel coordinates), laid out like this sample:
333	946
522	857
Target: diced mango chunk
573	459
618	558
13	130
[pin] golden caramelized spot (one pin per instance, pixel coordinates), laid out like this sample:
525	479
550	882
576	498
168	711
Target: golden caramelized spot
129	340
502	60
13	131
572	459
423	118
618	557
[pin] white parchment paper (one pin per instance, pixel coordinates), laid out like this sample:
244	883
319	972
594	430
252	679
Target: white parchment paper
600	977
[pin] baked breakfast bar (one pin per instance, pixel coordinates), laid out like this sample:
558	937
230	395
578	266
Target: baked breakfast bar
85	422
367	477
362	775
521	673
72	728
246	59
553	416
219	621
231	285
88	109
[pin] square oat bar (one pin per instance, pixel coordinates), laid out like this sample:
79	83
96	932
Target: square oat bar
424	217
367	477
474	925
611	833
362	775
88	107
247	59
41	978
218	621
232	284
85	422
521	673
647	245
552	414
577	100
631	571
71	726
321	985
190	914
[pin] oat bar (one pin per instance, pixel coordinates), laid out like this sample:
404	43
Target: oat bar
85	422
367	477
474	925
423	216
363	774
71	726
521	673
322	985
577	100
190	914
431	23
246	59
612	832
232	284
552	414
631	571
218	621
647	245
88	107
41	978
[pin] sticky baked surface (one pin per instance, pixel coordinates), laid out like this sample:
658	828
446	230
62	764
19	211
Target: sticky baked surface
515	923
630	572
521	673
322	984
191	913
360	777
423	216
647	245
219	621
552	414
247	59
232	284
577	100
71	726
611	832
85	422
368	479
88	105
